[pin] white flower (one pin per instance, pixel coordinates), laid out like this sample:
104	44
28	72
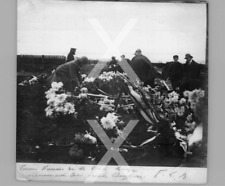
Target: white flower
186	93
178	135
69	108
107	107
182	101
50	93
56	86
109	121
107	76
83	75
84	90
49	111
173	96
189	117
113	117
180	111
57	102
82	96
51	100
87	79
106	101
91	138
59	109
61	97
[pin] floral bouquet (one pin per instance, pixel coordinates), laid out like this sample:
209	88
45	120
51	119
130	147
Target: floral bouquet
166	117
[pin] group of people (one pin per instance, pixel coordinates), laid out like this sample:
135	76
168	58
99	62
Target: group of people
185	76
182	76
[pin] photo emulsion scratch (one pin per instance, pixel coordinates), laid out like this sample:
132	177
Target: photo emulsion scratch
112	91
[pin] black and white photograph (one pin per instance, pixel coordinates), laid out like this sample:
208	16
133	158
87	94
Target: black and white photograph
112	91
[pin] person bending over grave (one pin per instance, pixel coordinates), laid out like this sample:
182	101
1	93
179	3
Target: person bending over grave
69	73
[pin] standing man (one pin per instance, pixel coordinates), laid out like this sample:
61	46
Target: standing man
143	67
174	72
69	73
70	56
192	70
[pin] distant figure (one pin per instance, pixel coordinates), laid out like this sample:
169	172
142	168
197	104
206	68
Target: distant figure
174	72
113	64
143	67
123	57
191	77
70	56
69	73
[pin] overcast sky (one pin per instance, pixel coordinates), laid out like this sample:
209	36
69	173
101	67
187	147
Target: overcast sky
103	29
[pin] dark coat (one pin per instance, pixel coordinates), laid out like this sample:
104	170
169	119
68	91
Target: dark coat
144	69
173	71
68	74
192	71
191	78
70	57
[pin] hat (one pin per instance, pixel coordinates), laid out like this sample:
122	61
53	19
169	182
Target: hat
84	59
138	51
73	49
188	55
175	56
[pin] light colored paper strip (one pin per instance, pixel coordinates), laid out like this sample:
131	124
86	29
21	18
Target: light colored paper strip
80	173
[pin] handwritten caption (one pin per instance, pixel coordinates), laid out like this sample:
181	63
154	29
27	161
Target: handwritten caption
65	172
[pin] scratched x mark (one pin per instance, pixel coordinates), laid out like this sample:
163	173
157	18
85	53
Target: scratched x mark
112	148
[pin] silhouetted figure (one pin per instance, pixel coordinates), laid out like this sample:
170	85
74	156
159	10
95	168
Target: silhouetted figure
174	72
70	56
191	77
143	67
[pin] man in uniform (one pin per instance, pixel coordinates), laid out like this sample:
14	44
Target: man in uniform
70	56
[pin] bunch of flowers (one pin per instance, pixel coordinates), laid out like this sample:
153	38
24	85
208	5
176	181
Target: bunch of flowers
180	110
89	80
106	104
195	98
109	122
107	76
57	101
83	93
112	125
